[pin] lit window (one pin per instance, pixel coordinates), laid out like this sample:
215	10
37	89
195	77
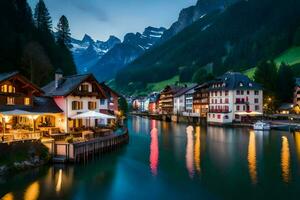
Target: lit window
92	105
84	87
11	89
27	101
10	101
4	88
77	105
102	101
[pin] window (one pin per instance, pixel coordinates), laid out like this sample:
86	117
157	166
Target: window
102	102
226	93
226	100
242	92
8	89
219	116
10	101
85	87
92	105
256	92
248	92
256	108
256	100
237	108
221	101
77	105
26	101
237	100
238	92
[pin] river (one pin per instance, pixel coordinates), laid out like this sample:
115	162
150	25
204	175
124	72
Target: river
174	161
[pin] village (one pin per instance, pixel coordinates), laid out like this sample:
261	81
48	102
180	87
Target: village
72	116
231	99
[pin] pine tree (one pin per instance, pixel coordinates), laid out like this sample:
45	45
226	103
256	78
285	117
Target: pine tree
63	30
42	17
285	84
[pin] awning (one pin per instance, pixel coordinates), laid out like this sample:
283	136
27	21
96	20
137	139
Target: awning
253	113
18	112
93	115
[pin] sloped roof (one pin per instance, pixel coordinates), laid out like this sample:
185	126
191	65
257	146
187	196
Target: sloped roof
233	81
108	90
40	105
184	90
5	76
66	85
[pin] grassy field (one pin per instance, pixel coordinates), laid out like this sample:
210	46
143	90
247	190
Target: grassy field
161	85
290	57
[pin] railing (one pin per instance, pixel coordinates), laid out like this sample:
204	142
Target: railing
219	111
19	136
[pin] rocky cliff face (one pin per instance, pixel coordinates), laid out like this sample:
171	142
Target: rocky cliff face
191	14
134	45
87	52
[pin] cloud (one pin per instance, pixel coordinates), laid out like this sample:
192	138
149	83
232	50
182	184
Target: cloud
90	7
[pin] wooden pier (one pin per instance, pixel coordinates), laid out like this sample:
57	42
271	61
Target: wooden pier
88	150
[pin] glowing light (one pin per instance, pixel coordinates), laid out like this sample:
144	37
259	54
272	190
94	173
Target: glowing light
59	181
197	150
189	151
8	196
6	118
252	158
154	151
32	192
297	141
285	160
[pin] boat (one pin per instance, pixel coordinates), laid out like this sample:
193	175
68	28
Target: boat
262	126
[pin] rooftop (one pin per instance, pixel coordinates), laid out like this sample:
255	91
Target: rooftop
234	81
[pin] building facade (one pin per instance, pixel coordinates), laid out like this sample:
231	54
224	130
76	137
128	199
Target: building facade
166	99
234	97
201	100
75	95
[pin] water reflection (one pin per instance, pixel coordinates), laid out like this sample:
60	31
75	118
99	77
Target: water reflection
285	160
297	143
8	196
154	149
190	151
252	158
32	192
197	156
59	181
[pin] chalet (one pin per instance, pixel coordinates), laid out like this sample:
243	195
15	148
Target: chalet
201	100
24	111
234	97
166	99
75	95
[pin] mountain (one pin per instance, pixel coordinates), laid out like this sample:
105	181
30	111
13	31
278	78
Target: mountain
193	13
235	38
87	52
133	46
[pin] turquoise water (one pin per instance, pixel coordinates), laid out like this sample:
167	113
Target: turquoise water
174	161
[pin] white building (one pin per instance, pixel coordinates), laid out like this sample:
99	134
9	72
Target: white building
234	97
183	100
75	95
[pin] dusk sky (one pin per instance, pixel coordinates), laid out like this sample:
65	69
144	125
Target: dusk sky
102	18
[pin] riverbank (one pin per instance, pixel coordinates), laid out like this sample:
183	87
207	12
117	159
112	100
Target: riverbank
23	155
276	124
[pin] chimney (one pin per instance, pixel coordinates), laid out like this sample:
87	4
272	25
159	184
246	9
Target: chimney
58	76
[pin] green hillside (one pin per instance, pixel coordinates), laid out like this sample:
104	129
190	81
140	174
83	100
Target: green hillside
241	36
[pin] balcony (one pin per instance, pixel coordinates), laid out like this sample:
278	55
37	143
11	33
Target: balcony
219	111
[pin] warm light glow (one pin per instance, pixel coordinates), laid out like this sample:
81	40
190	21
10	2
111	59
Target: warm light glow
32	192
252	158
33	117
8	196
285	160
189	151
27	101
6	118
297	143
154	149
59	181
197	150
